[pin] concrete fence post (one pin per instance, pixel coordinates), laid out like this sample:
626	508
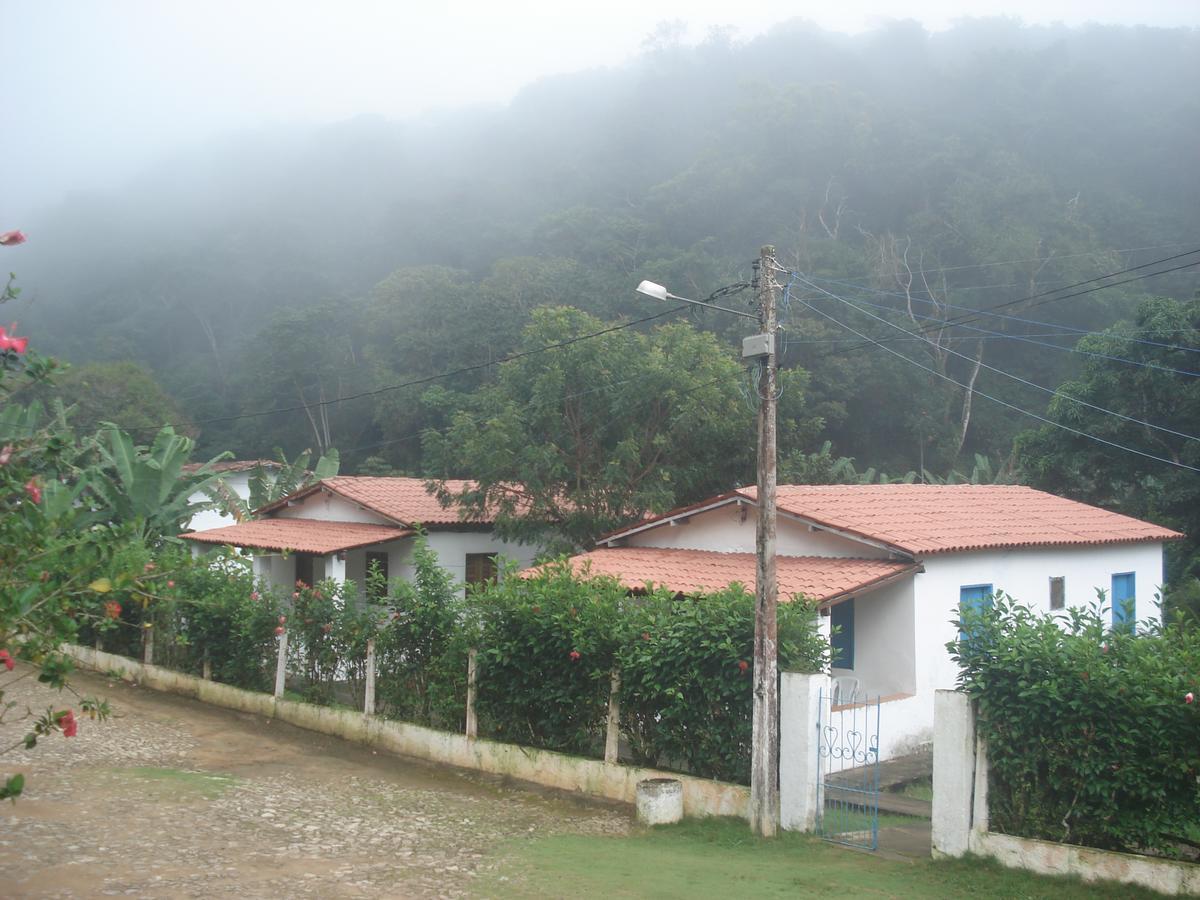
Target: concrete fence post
206	668
954	773
281	665
369	686
472	722
612	736
148	643
799	709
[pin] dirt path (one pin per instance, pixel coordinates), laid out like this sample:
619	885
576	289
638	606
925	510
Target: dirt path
172	798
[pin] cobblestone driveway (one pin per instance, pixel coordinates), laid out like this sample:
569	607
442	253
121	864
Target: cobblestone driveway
172	798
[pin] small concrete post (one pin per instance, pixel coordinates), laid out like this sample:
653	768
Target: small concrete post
472	722
979	810
148	643
369	688
612	737
281	665
206	668
954	756
799	719
659	801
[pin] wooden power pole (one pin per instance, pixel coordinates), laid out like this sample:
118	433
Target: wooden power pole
764	752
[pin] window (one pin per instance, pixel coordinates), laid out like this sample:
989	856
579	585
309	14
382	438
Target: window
973	597
1124	600
842	640
1058	592
481	568
377	576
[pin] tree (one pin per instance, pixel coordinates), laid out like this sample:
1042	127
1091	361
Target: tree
569	443
1134	370
123	393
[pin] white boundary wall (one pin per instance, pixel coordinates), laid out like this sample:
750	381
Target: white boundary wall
701	796
960	818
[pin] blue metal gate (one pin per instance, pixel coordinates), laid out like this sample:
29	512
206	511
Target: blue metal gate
848	772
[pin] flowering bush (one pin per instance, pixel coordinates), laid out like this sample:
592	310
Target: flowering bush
1091	737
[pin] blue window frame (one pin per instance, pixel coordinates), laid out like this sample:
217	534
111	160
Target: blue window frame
1124	600
973	596
841	619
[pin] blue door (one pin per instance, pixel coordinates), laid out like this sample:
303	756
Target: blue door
973	596
1124	600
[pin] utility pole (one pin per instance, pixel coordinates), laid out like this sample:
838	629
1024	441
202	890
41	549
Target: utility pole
764	751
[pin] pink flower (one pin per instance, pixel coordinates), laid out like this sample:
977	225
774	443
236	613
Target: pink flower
1187	698
7	660
5	454
1104	648
296	595
254	595
575	654
148	567
11	341
12	238
278	631
170	584
34	490
66	721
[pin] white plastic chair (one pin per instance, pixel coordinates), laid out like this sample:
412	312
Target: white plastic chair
845	689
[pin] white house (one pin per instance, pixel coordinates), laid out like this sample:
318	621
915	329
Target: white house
336	528
235	478
890	564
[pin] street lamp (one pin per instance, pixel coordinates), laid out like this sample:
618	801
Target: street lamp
764	751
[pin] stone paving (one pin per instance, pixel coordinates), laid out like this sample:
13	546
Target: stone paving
172	798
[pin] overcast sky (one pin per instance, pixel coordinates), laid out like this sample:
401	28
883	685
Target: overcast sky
93	90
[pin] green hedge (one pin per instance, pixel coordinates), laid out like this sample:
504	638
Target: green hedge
547	648
1091	738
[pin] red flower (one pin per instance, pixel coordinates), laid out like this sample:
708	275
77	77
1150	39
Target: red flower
66	721
278	630
1189	697
11	341
743	665
34	490
170	584
148	567
112	608
574	654
12	238
254	595
10	665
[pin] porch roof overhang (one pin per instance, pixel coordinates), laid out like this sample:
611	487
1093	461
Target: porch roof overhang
825	579
300	535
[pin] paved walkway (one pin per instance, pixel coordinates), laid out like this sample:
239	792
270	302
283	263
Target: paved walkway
173	798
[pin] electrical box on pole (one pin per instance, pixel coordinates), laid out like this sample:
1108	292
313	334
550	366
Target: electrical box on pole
757	346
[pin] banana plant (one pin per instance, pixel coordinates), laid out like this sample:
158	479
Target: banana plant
147	486
274	482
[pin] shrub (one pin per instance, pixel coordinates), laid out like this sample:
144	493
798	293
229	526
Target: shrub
687	669
1090	738
547	646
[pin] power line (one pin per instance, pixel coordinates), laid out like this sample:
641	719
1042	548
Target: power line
1065	328
1017	378
872	342
985	334
974	317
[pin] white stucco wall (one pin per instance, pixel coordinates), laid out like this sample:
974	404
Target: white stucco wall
330	508
239	483
885	647
1025	575
730	529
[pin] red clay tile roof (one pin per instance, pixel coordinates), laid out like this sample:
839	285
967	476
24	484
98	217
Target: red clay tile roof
929	518
403	500
299	535
822	578
233	465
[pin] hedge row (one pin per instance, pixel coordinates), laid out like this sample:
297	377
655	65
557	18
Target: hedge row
547	647
1093	735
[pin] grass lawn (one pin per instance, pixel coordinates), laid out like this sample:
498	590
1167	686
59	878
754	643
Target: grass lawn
718	858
